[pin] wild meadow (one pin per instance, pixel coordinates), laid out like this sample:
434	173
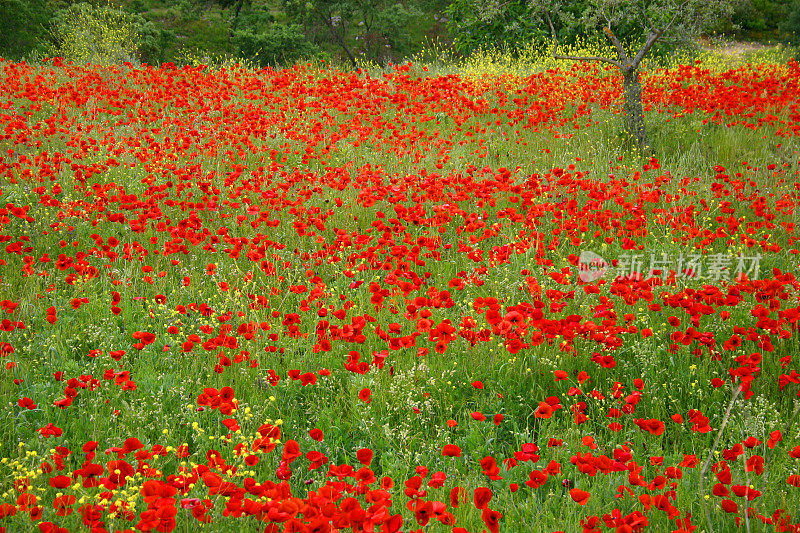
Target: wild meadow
413	299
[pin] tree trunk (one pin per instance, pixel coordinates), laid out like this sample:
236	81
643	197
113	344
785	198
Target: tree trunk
339	38
347	51
634	114
236	13
235	22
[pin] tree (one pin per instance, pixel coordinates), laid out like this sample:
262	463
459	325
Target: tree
492	24
358	27
272	44
791	24
505	24
646	22
21	24
634	28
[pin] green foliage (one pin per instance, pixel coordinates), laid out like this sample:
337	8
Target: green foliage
479	25
371	31
357	31
278	44
155	44
21	22
102	35
758	19
514	24
136	6
211	36
676	22
791	24
390	31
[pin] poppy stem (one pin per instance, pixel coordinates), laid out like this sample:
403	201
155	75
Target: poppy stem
734	395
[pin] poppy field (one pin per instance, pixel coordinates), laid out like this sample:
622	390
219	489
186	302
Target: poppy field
308	300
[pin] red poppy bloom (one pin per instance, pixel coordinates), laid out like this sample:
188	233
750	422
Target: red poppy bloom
63	504
581	497
451	450
60	482
482	497
652	426
27	403
544	410
491	519
458	495
729	506
364	456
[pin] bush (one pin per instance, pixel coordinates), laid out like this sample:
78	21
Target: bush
791	25
279	44
102	35
20	23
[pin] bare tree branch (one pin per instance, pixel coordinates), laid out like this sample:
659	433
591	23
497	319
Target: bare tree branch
651	40
644	14
576	58
617	44
678	12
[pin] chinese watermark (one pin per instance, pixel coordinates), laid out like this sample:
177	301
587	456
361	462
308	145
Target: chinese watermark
714	267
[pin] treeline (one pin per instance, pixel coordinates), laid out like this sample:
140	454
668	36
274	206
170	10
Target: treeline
280	32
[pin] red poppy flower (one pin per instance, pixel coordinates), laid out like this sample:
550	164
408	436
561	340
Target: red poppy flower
581	497
536	479
720	490
27	403
482	496
131	444
437	480
458	495
755	464
119	471
751	442
50	430
451	450
365	395
60	482
490	468
544	410
652	426
63	504
364	456
491	519
729	506
291	451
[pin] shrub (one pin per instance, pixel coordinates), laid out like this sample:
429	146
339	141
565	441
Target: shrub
279	44
20	21
102	35
791	24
